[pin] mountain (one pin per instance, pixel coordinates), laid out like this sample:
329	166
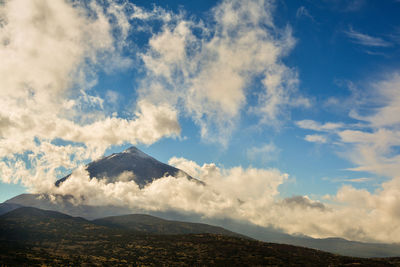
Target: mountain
6	207
64	204
154	225
34	237
34	224
333	245
50	222
144	167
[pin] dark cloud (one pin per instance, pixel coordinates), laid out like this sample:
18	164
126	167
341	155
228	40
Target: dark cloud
303	202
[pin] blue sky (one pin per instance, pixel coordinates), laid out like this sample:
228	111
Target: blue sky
308	88
330	63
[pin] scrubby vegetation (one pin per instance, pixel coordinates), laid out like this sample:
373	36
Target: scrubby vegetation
32	237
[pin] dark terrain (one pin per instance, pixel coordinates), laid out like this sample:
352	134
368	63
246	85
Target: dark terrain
154	225
34	237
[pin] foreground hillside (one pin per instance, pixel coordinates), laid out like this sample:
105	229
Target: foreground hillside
171	250
30	237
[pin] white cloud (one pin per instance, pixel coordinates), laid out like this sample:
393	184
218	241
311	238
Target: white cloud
315	138
371	145
149	125
359	180
112	96
373	151
303	12
387	99
316	126
366	40
373	148
349	180
188	166
264	153
208	74
223	192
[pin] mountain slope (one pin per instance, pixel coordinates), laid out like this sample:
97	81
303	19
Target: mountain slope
144	167
333	245
6	207
154	225
48	221
34	224
64	205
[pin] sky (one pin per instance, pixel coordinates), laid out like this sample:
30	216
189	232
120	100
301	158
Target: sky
291	107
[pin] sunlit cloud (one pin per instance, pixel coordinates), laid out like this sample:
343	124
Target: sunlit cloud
316	126
207	70
245	194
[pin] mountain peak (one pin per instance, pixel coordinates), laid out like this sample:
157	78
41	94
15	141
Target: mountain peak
136	151
144	168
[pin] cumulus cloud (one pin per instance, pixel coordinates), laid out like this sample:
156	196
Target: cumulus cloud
221	193
149	124
209	70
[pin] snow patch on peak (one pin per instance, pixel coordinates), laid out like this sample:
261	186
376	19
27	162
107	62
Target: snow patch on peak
136	151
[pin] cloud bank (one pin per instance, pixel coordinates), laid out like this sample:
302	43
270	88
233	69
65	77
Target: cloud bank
246	194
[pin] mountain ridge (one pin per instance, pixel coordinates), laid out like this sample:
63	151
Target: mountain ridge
155	225
143	223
